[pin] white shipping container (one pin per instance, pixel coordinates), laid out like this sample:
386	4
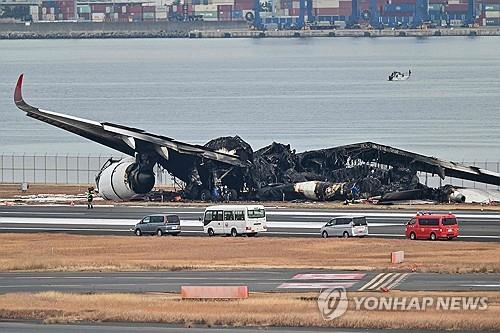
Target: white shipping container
340	24
44	11
209	17
161	16
35	13
115	16
326	4
98	17
51	10
160	9
492	14
221	2
296	4
205	8
453	2
124	9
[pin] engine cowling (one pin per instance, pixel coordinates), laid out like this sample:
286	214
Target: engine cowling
121	180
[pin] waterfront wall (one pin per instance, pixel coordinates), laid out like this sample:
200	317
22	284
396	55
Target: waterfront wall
202	29
113	30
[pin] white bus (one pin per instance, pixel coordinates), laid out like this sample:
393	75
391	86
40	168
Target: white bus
234	220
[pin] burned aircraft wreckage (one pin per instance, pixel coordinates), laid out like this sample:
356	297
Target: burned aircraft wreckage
362	170
275	172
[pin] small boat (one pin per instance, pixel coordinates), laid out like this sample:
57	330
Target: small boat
398	76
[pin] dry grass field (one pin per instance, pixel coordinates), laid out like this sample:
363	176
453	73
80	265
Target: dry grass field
63	252
260	309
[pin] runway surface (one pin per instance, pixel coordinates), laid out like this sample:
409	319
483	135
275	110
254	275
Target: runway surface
269	280
474	225
32	327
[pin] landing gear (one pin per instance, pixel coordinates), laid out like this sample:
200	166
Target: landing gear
205	195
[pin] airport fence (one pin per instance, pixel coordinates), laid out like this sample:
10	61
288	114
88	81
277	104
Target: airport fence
60	169
435	181
82	169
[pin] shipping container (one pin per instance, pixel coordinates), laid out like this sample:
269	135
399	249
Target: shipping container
98	8
237	15
205	8
326	4
224	12
148	9
457	8
436	7
491	7
399	8
98	17
222	2
133	8
161	16
493	21
244	4
326	11
396	2
207	15
492	14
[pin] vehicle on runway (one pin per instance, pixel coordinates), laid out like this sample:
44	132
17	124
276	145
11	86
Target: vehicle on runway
234	220
345	226
432	226
159	225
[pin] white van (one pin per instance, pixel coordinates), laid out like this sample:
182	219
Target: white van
234	220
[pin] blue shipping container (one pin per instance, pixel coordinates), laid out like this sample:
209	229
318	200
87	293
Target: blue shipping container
404	8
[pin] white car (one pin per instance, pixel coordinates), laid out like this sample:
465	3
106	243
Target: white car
345	226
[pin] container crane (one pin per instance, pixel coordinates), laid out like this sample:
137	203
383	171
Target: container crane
374	15
421	13
257	21
354	13
471	16
305	7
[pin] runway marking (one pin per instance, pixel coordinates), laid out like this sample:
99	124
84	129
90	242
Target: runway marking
481	285
371	282
398	281
319	285
340	276
384	280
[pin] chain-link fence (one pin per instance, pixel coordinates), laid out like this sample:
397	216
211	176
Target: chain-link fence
82	169
59	169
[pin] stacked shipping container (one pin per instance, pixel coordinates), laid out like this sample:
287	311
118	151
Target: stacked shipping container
491	13
391	12
58	10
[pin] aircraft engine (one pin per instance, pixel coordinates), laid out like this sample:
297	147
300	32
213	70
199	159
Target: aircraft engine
122	179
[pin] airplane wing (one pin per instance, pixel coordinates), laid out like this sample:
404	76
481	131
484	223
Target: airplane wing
125	139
